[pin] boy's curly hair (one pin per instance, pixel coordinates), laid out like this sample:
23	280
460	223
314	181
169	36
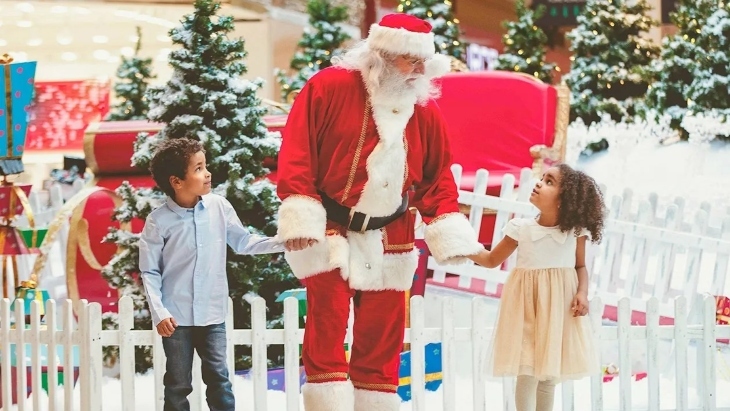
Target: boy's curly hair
581	203
171	159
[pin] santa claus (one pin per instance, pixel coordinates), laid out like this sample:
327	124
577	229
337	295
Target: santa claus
363	144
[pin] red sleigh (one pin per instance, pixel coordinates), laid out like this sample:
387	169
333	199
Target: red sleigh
503	122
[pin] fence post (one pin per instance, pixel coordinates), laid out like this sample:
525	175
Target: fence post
91	357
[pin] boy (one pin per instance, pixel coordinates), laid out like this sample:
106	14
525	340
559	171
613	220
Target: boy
182	258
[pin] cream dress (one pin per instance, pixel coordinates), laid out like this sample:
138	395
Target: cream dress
536	333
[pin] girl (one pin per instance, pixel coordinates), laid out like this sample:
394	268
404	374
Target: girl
541	335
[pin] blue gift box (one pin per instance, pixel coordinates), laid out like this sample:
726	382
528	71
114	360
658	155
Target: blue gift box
433	371
16	89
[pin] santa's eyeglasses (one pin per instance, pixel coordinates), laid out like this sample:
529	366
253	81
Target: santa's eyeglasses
415	61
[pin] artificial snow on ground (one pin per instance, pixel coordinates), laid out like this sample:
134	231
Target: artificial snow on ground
276	400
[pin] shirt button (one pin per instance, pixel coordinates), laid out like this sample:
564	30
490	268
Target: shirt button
367	265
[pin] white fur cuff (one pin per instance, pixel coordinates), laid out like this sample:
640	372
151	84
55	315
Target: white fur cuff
450	238
366	400
301	217
329	396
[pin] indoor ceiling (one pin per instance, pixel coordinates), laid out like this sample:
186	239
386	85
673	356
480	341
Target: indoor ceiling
81	40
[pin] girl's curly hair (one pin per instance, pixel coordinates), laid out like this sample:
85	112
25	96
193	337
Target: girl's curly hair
581	203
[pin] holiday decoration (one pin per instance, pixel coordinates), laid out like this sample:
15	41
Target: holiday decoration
524	45
709	88
679	64
610	69
317	48
526	128
62	110
445	26
16	91
134	75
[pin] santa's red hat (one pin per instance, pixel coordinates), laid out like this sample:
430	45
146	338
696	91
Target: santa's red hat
402	34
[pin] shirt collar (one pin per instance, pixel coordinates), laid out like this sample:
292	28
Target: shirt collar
175	207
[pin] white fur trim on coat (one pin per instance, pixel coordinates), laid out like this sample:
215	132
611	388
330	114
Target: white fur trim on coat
366	400
325	256
301	217
450	238
396	272
401	41
329	396
382	193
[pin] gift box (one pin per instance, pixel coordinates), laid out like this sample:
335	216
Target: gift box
14	107
12	199
33	237
434	374
28	292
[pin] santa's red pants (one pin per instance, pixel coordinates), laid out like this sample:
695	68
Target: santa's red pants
378	330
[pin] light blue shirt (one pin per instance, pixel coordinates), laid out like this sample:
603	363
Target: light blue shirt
182	257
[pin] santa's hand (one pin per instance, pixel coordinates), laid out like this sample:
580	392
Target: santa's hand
298	244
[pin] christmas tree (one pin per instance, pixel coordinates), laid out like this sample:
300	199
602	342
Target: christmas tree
445	26
709	88
207	99
610	72
681	56
121	271
524	45
134	75
317	48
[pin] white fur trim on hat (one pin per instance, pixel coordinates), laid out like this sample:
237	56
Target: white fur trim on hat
401	41
438	65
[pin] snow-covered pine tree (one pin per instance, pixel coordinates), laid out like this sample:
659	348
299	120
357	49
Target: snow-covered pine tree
122	270
709	88
610	70
134	76
317	48
679	64
445	25
524	45
207	99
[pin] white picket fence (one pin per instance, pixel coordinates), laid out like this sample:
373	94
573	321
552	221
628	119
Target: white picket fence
88	335
643	254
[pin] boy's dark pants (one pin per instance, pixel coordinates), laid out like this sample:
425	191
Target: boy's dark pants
210	343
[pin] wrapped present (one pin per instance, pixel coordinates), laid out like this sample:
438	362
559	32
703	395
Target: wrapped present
723	310
300	294
14	200
434	374
16	94
33	237
28	292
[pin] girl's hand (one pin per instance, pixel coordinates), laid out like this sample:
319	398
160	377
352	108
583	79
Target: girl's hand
579	306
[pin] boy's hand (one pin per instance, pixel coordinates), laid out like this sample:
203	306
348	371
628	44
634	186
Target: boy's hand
579	306
298	244
166	327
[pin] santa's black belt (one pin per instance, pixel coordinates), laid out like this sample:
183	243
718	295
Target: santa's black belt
357	221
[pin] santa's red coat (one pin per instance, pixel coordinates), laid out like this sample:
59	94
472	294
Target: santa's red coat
367	156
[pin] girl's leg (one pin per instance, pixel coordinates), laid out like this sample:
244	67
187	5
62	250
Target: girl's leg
526	393
545	395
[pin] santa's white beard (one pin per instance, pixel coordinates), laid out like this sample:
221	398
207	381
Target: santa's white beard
394	86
